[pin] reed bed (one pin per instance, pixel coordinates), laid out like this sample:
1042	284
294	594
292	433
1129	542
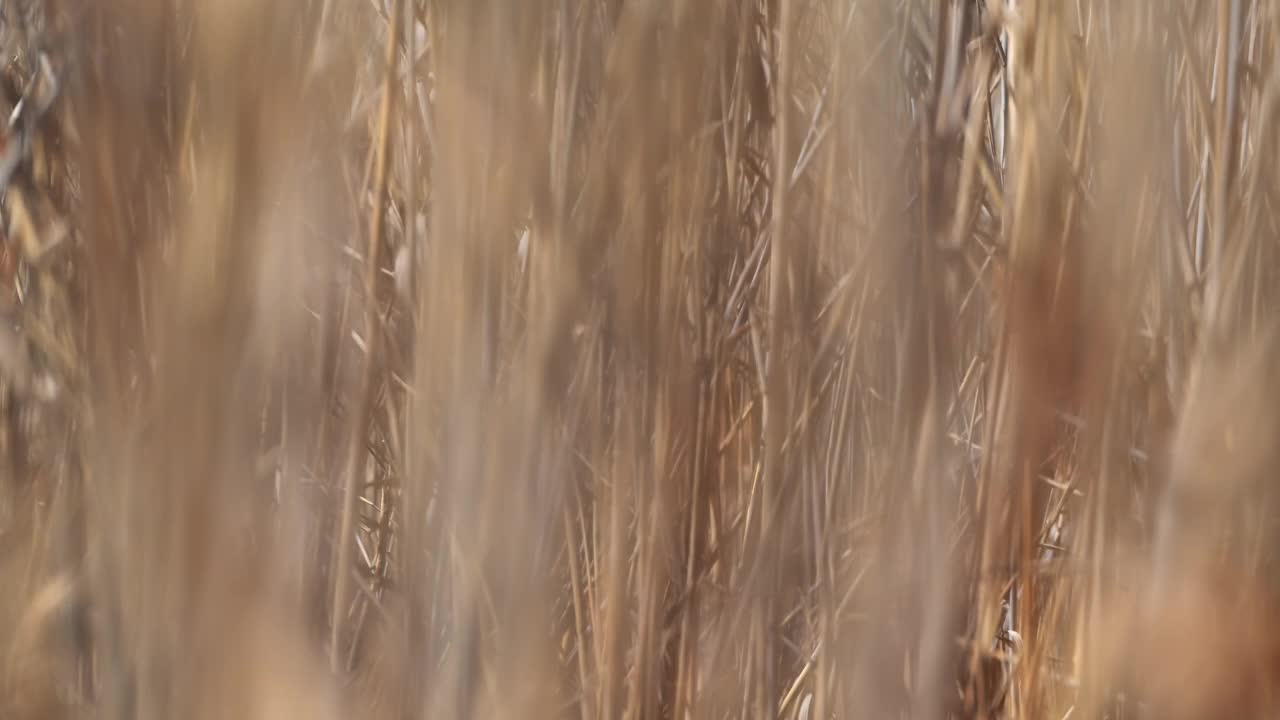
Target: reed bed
796	359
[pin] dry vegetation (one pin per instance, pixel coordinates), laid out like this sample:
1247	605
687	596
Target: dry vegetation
639	359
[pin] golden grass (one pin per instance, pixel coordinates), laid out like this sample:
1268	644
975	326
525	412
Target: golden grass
600	359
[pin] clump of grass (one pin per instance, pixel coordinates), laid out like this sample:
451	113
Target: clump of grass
587	358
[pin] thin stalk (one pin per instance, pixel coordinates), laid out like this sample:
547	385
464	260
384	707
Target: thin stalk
373	325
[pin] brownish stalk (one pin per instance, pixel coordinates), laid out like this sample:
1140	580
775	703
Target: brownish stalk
775	399
365	393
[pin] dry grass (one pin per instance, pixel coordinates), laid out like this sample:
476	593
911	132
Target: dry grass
600	359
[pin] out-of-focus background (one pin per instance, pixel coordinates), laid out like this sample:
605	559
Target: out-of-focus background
796	359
